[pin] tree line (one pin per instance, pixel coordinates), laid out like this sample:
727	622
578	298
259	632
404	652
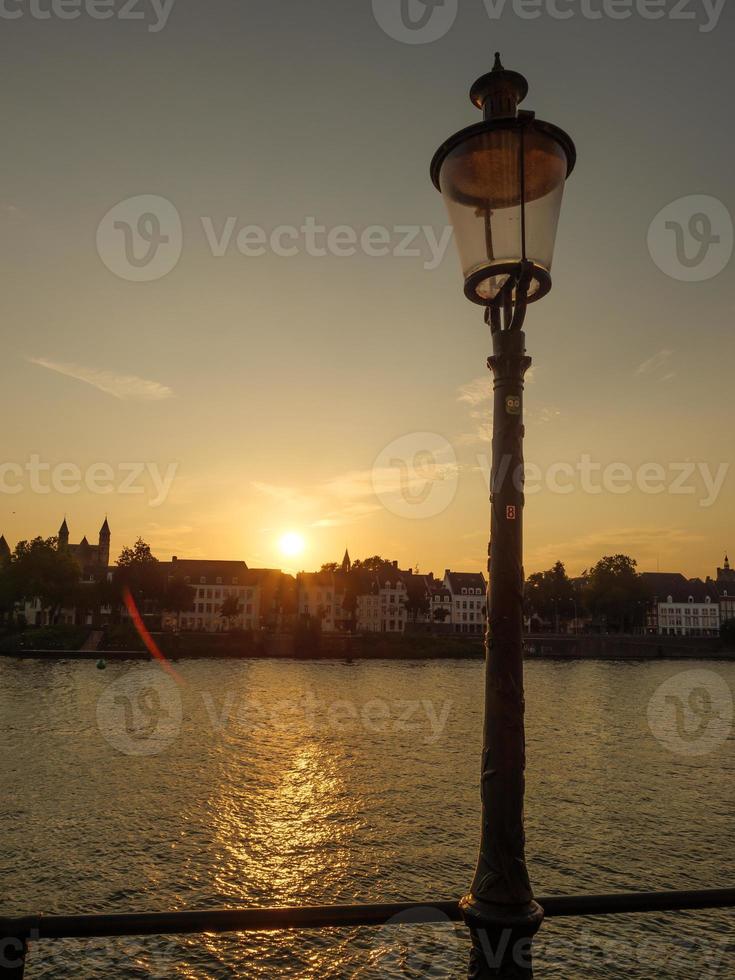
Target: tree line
611	592
40	570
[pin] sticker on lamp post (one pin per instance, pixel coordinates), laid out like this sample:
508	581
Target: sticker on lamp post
513	404
510	512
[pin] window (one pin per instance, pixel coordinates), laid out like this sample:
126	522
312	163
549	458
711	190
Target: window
202	580
219	580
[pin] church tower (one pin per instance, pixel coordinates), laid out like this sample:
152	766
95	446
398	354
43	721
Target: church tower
4	549
104	545
346	563
726	575
64	535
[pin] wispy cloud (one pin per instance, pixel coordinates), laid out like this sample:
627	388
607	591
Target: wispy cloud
480	389
653	365
354	495
476	392
126	387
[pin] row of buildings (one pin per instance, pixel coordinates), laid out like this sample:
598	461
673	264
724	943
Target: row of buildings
679	606
392	600
355	598
343	598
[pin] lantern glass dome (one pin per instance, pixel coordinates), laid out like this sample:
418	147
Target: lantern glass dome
502	182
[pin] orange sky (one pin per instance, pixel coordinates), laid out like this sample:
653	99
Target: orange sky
343	396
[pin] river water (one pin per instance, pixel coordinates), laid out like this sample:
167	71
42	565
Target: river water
284	782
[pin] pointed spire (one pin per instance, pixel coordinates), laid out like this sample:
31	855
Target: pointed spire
4	547
105	529
346	563
63	535
727	563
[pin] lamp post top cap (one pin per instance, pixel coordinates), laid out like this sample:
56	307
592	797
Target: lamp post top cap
499	91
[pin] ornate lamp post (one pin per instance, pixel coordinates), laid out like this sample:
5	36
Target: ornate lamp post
502	181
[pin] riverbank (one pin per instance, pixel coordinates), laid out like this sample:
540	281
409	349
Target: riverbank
616	647
370	646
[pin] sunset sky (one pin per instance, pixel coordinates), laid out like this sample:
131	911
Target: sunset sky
268	389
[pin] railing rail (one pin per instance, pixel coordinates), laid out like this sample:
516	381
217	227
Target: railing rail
325	916
16	931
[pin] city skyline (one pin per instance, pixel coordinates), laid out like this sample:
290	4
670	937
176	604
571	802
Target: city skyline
284	552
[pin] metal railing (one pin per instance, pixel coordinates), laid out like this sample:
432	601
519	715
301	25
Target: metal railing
19	930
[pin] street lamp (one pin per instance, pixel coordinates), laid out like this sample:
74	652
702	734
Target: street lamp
502	181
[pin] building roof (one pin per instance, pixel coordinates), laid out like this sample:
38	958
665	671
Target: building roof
465	580
391	575
661	585
209	569
437	588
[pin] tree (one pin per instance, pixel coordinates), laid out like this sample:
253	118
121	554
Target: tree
38	570
230	608
138	570
551	594
105	593
440	614
416	602
615	591
329	566
139	554
374	564
178	596
349	601
727	634
7	600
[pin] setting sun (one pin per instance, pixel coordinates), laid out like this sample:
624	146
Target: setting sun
291	544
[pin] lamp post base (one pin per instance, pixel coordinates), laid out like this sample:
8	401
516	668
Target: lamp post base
501	939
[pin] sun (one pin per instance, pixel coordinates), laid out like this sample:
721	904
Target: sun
291	544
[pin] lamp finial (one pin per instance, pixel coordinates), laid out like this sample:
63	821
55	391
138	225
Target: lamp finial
499	91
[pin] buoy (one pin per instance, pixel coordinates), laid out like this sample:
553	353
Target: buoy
101	664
